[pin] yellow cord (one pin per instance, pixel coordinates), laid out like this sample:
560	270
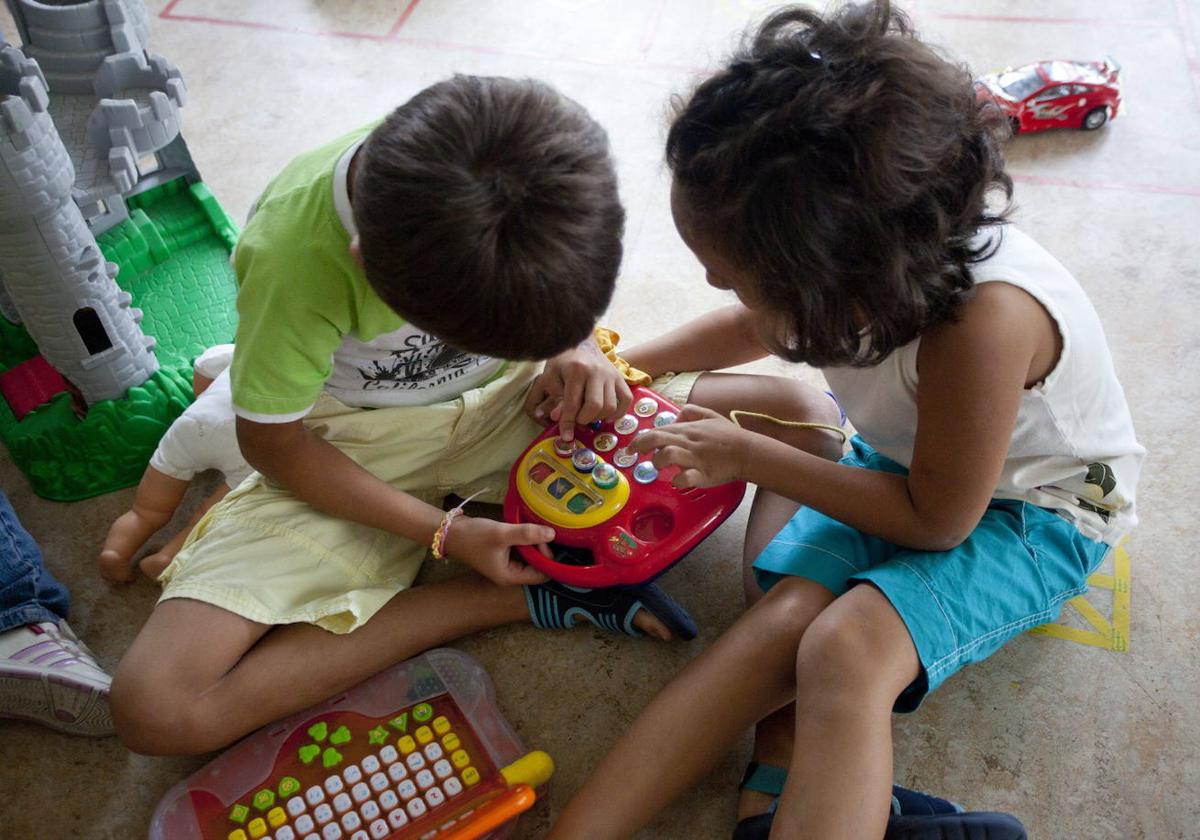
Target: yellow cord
791	424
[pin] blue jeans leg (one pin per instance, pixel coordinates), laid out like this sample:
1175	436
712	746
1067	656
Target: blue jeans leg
28	592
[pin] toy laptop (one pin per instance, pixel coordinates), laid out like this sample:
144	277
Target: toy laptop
618	520
417	751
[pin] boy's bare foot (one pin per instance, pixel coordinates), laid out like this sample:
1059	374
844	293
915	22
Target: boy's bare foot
113	567
650	624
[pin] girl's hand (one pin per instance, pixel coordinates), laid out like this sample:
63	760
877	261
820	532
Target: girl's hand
486	546
707	448
578	386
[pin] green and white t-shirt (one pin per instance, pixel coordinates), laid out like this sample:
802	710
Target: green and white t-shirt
308	320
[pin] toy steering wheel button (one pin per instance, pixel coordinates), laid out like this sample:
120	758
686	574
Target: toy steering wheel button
564	447
665	419
626	424
540	471
559	487
605	476
605	442
646	407
625	458
645	473
584	460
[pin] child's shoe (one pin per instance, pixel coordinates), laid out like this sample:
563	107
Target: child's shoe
557	606
49	676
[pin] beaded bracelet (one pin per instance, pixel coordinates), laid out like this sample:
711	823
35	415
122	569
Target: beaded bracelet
439	536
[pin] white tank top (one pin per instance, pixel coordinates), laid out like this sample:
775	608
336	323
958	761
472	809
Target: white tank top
1073	448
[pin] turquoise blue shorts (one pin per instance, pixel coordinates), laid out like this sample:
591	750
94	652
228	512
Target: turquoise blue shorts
1013	572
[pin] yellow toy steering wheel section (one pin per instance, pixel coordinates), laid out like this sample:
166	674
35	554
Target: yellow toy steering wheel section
553	489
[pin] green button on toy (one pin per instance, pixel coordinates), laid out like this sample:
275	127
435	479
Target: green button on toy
309	752
330	757
399	722
264	799
288	786
340	736
423	712
238	813
318	731
378	735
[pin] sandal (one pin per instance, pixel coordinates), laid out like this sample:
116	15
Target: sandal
915	815
556	606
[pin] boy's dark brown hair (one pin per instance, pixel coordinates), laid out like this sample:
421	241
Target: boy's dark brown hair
843	166
488	216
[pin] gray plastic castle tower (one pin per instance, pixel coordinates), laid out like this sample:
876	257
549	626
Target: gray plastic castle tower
88	119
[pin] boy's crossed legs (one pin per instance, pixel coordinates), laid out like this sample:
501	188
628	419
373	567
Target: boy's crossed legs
199	676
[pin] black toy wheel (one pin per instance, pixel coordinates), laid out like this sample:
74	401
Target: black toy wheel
1095	118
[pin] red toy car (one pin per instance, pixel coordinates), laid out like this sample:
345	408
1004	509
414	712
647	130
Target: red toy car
1055	94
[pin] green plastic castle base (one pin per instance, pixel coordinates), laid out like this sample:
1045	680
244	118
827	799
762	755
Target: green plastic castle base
173	254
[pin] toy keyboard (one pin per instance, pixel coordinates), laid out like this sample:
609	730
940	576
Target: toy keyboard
417	751
618	520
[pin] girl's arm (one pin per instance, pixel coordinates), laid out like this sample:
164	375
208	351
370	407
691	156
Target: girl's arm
972	374
719	339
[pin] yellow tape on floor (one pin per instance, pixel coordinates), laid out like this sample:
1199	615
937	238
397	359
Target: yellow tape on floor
1106	633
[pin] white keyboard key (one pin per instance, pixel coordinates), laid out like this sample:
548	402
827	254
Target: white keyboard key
406	789
351	821
370	764
388	800
323	813
352	774
295	806
416	808
397	772
369	810
313	836
388	754
424	779
360	835
398	819
379	830
434	797
434	751
342	803
333	831
360	792
304	824
415	761
285	833
379	782
314	795
453	786
443	769
334	785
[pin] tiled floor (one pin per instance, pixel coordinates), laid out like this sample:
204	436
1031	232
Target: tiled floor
1081	741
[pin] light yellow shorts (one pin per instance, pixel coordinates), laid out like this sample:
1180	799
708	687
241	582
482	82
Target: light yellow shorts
267	556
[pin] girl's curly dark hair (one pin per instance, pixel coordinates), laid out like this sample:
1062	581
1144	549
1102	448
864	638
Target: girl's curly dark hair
844	166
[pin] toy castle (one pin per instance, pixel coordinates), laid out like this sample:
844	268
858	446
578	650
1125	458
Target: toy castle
101	207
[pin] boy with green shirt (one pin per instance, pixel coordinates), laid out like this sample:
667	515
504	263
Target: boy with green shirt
396	289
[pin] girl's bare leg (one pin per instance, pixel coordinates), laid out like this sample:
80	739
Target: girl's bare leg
773	734
748	673
854	660
153	564
154	503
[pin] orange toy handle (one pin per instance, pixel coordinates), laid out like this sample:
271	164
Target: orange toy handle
492	814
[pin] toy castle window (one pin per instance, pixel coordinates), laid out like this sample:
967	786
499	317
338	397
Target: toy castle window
148	164
91	330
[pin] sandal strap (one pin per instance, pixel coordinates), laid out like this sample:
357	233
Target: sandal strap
764	778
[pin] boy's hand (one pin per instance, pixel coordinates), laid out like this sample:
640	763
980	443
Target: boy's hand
578	386
486	546
707	448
